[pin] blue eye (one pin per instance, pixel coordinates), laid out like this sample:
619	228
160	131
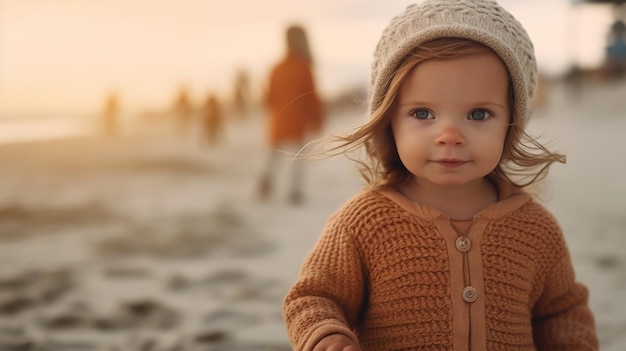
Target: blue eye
422	114
479	115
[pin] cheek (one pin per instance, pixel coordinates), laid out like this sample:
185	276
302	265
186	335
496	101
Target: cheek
405	139
496	145
400	142
508	144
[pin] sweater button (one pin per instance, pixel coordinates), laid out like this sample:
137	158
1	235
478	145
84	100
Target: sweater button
470	294
463	244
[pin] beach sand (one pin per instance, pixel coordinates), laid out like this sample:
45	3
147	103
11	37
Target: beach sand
144	241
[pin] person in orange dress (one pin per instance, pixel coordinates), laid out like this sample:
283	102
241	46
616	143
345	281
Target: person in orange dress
294	108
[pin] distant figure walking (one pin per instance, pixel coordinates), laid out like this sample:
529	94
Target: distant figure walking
241	98
295	110
212	121
110	123
616	50
184	113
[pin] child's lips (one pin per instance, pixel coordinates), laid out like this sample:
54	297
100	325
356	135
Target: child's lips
450	163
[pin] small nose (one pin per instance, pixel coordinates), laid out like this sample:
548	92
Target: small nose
450	135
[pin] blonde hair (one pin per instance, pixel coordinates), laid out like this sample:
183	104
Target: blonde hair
524	160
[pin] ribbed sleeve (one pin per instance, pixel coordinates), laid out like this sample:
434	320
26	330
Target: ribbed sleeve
329	294
562	320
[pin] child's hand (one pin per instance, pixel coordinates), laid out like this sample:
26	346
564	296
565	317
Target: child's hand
336	342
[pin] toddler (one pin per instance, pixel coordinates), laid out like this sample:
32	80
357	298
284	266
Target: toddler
444	249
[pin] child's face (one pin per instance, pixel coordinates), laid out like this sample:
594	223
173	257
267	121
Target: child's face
450	119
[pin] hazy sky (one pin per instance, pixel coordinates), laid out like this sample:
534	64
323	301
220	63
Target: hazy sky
63	56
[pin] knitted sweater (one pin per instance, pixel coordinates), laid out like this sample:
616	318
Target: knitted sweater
395	275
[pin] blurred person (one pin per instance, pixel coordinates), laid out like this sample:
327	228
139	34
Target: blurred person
616	48
444	249
110	116
295	111
241	94
183	111
213	121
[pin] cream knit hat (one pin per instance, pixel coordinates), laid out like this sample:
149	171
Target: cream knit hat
483	21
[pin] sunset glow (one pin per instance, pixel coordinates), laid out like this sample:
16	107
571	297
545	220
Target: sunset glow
63	57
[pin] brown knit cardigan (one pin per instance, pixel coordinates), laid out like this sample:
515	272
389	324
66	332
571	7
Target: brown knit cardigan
392	275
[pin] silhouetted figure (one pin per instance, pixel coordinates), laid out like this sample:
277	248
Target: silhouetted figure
184	113
616	49
110	116
241	99
618	30
212	121
295	111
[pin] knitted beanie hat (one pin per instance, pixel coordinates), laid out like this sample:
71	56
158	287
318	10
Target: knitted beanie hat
483	21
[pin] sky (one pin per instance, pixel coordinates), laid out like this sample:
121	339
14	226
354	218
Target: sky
62	57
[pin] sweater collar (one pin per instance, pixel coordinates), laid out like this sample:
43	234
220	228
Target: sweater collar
510	199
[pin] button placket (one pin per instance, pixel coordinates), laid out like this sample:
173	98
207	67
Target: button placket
469	294
463	243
